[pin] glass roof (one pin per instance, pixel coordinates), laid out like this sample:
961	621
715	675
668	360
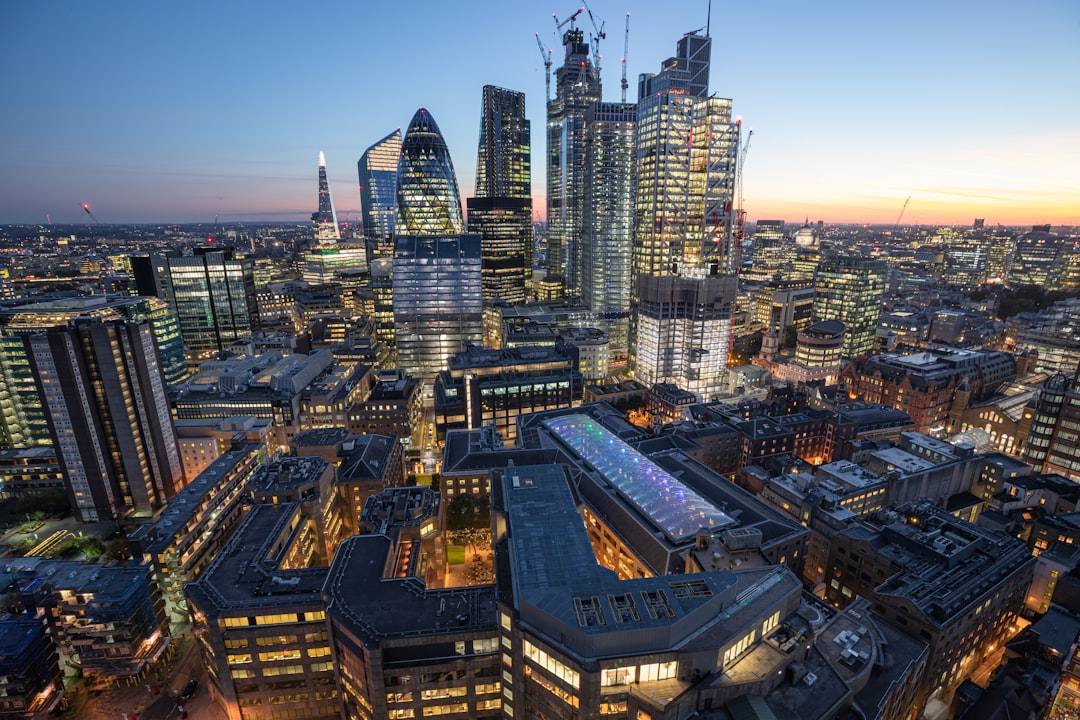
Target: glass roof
673	507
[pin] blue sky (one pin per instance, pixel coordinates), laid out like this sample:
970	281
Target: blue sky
179	111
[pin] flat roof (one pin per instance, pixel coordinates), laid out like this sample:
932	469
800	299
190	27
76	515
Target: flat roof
673	508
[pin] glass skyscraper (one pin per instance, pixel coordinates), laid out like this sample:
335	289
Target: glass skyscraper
501	212
849	289
428	200
325	220
213	294
577	91
437	299
684	259
608	222
436	269
377	172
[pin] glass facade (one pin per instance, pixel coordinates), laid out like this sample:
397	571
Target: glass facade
608	226
577	91
437	300
684	256
428	201
325	220
213	294
377	171
849	289
501	212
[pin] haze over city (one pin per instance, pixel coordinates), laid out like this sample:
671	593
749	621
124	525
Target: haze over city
157	113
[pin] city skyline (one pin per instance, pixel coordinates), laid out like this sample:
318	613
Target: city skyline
154	115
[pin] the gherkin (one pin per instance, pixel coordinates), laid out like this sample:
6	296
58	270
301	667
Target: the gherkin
428	201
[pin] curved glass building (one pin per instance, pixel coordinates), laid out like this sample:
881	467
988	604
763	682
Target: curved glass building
428	201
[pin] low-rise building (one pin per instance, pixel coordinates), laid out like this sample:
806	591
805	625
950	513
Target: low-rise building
107	621
196	523
261	626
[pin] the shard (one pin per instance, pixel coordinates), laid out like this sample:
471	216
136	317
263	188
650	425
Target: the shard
325	220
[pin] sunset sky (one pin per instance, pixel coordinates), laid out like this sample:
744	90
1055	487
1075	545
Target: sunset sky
177	112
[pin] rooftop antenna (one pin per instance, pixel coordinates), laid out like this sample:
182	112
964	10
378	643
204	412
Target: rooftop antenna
708	18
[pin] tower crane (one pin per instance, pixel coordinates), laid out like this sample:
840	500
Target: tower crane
560	25
86	209
901	215
546	57
598	35
625	51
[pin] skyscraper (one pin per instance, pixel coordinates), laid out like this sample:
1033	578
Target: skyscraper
501	212
212	292
377	172
436	269
103	396
608	222
684	257
849	289
22	421
428	200
325	220
577	90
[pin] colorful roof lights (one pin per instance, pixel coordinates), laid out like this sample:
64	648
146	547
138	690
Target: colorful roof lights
671	506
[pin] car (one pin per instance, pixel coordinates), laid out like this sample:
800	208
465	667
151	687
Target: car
189	690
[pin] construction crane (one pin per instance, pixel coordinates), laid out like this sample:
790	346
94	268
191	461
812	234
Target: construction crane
598	35
86	209
560	25
625	51
899	217
546	57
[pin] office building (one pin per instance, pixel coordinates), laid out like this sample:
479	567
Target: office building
849	289
953	584
260	622
772	251
212	292
196	523
324	221
1037	258
484	387
428	200
577	90
501	211
22	422
108	621
104	399
607	231
377	172
405	647
581	640
202	441
933	386
297	392
31	676
394	407
438	303
1052	445
780	304
684	258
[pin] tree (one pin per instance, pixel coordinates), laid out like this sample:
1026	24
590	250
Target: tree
791	336
468	511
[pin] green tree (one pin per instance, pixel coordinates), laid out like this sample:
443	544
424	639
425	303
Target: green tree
791	336
468	511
